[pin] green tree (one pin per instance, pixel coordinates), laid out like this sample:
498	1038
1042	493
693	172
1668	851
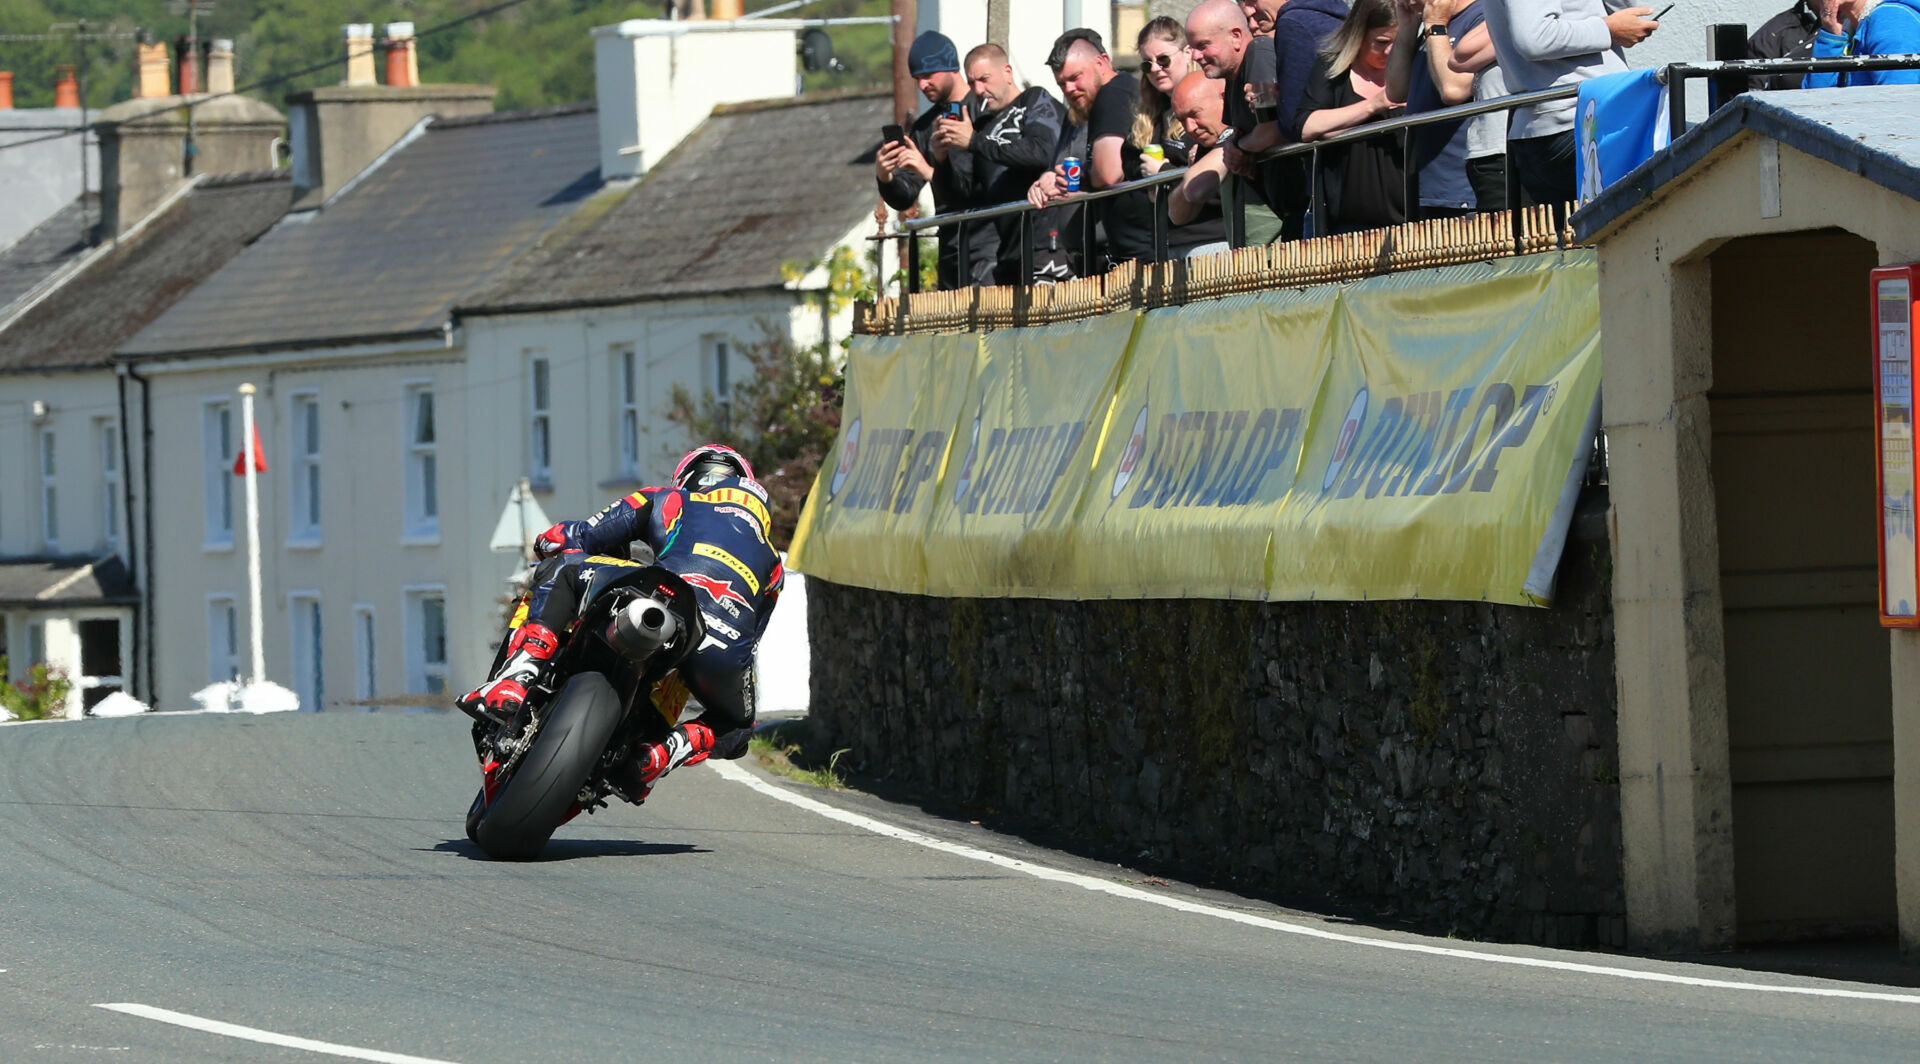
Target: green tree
42	695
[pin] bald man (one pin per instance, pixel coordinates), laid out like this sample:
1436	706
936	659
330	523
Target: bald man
1011	146
1193	206
1222	41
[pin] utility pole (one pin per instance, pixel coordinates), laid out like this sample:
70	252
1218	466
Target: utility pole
997	22
193	9
906	94
80	79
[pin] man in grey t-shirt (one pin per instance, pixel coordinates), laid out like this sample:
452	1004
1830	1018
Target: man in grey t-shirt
1545	43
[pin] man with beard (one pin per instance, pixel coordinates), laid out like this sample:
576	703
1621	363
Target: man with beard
1007	151
904	167
1100	105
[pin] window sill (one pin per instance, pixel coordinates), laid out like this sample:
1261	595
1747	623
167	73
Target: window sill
624	480
304	543
540	485
420	539
217	546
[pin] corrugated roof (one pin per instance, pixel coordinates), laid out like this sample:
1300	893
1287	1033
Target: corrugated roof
91	314
755	186
1872	130
58	583
52	244
437	218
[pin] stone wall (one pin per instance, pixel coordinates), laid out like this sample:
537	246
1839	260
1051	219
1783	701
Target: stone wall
1447	765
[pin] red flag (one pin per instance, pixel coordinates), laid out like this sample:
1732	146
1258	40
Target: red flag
259	456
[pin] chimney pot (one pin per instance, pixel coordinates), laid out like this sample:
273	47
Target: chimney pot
727	9
187	65
154	79
66	91
359	38
220	66
6	90
403	67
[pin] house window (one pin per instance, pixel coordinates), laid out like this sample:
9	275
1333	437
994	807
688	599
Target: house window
427	641
223	639
539	418
110	485
49	504
308	663
627	409
36	643
216	436
304	446
423	471
720	357
365	680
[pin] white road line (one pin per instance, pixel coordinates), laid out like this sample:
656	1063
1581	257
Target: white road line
1120	890
254	1034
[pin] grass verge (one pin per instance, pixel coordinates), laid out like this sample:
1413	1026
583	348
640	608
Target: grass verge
783	757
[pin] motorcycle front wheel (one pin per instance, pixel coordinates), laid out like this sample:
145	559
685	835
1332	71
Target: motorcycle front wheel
534	801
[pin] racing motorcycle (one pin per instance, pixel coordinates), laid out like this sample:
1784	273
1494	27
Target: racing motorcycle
612	686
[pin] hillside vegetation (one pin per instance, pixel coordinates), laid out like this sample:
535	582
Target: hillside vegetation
537	52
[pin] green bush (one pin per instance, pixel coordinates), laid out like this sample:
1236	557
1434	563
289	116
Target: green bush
43	695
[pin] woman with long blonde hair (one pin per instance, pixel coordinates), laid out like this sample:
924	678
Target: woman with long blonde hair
1365	181
1164	60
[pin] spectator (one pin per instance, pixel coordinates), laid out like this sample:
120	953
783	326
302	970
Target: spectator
905	167
1008	150
1193	206
1222	42
1486	135
1544	43
1419	77
1162	45
1364	182
1866	27
1101	102
1788	35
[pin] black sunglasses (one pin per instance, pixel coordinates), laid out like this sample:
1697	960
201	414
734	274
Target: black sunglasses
1162	61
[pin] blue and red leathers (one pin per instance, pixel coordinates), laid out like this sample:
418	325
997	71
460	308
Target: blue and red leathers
714	536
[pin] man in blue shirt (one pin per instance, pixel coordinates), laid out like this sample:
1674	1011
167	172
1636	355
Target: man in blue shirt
1866	27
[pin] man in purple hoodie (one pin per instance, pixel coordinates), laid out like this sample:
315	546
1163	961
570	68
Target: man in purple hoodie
1298	32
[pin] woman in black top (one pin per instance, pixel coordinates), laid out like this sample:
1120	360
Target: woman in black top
1164	61
1365	181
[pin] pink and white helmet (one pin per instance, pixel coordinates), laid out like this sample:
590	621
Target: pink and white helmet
710	461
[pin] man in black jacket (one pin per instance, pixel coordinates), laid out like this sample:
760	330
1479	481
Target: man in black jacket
905	167
1009	148
1787	35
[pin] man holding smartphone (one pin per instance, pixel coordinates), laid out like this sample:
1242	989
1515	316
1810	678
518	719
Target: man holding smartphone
911	159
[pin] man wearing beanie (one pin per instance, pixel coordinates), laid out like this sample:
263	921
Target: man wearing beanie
905	167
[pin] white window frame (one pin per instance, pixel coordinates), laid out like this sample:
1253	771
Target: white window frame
424	676
366	655
223	663
108	434
306	634
305	495
539	417
49	490
626	409
422	519
217	480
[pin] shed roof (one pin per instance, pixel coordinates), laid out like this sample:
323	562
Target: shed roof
83	321
756	186
62	582
1873	131
392	252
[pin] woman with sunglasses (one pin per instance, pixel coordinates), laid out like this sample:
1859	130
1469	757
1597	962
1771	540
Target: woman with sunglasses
1162	45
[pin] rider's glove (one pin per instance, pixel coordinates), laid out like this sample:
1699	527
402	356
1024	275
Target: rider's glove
550	542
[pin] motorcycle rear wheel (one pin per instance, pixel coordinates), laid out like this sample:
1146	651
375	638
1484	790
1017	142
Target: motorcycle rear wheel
534	801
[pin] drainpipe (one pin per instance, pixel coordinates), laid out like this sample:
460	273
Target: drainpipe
126	508
146	512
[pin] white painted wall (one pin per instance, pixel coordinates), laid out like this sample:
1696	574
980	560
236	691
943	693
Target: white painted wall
78	406
654	81
1032	27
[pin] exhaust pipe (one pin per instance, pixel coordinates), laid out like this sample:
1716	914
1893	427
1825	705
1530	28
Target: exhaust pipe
641	628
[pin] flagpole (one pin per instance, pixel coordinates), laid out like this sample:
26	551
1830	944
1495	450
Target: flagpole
251	458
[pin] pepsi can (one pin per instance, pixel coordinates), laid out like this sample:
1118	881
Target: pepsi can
1071	166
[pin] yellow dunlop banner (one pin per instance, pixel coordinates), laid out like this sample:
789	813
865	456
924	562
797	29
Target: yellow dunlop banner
1419	435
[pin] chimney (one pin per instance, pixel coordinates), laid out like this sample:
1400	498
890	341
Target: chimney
143	149
727	9
153	78
6	90
220	66
403	66
359	38
337	130
187	65
66	91
653	82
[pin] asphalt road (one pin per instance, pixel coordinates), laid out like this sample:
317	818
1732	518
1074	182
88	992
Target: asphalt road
307	877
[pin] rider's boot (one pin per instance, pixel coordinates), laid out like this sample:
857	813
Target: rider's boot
530	649
688	744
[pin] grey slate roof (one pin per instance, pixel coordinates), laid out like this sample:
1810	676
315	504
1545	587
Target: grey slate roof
64	582
390	255
1872	130
52	244
755	186
91	314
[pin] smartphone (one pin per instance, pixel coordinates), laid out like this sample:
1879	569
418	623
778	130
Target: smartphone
1663	12
890	133
954	109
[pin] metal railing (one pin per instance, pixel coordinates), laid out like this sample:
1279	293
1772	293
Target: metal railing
1730	79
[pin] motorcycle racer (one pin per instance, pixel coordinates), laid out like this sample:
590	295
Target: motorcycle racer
710	527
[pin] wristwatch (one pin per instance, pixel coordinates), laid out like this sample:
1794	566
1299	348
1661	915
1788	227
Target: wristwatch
1438	29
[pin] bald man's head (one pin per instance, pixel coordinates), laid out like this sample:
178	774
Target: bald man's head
1200	105
1217	34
